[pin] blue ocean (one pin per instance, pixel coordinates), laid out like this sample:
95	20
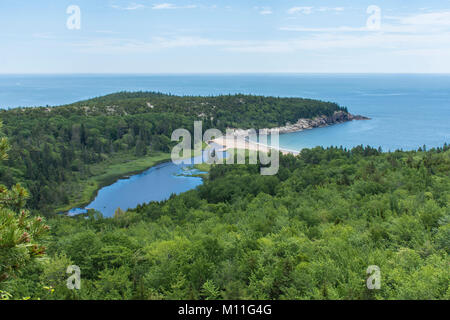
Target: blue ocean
406	111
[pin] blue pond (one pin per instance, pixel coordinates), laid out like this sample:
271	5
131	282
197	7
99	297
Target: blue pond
154	184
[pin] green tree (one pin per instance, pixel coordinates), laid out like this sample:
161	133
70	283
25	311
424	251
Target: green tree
19	232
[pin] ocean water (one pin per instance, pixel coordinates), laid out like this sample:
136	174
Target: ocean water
406	111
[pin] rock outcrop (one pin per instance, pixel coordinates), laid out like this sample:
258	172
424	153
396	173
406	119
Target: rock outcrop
305	124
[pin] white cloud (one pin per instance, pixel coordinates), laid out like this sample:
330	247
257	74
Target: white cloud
407	36
433	22
265	11
320	41
304	10
132	6
124	45
336	9
160	6
135	6
336	29
309	10
440	18
163	6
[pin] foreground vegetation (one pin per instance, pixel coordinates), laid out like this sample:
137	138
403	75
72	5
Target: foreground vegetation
19	232
62	155
310	232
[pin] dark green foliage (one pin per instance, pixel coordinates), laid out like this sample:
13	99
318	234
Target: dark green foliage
19	233
310	232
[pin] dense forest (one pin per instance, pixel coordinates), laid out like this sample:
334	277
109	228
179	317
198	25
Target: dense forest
62	155
309	232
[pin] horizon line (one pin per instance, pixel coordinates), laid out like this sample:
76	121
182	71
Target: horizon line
220	73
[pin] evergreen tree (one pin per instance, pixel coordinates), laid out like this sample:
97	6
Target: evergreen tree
18	231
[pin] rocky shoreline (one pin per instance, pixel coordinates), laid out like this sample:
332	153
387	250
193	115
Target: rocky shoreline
306	124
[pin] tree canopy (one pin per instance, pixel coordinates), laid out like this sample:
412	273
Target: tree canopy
309	232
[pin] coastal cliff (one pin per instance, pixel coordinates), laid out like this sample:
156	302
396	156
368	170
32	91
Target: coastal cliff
305	124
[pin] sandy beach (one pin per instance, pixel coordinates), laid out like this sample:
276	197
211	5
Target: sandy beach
238	138
238	142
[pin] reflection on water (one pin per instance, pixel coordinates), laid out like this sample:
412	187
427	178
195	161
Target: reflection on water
155	184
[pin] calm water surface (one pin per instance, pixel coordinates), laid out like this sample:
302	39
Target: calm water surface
154	184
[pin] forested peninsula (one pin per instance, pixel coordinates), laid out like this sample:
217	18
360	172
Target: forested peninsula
64	154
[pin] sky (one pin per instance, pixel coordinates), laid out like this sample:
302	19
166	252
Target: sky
219	36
